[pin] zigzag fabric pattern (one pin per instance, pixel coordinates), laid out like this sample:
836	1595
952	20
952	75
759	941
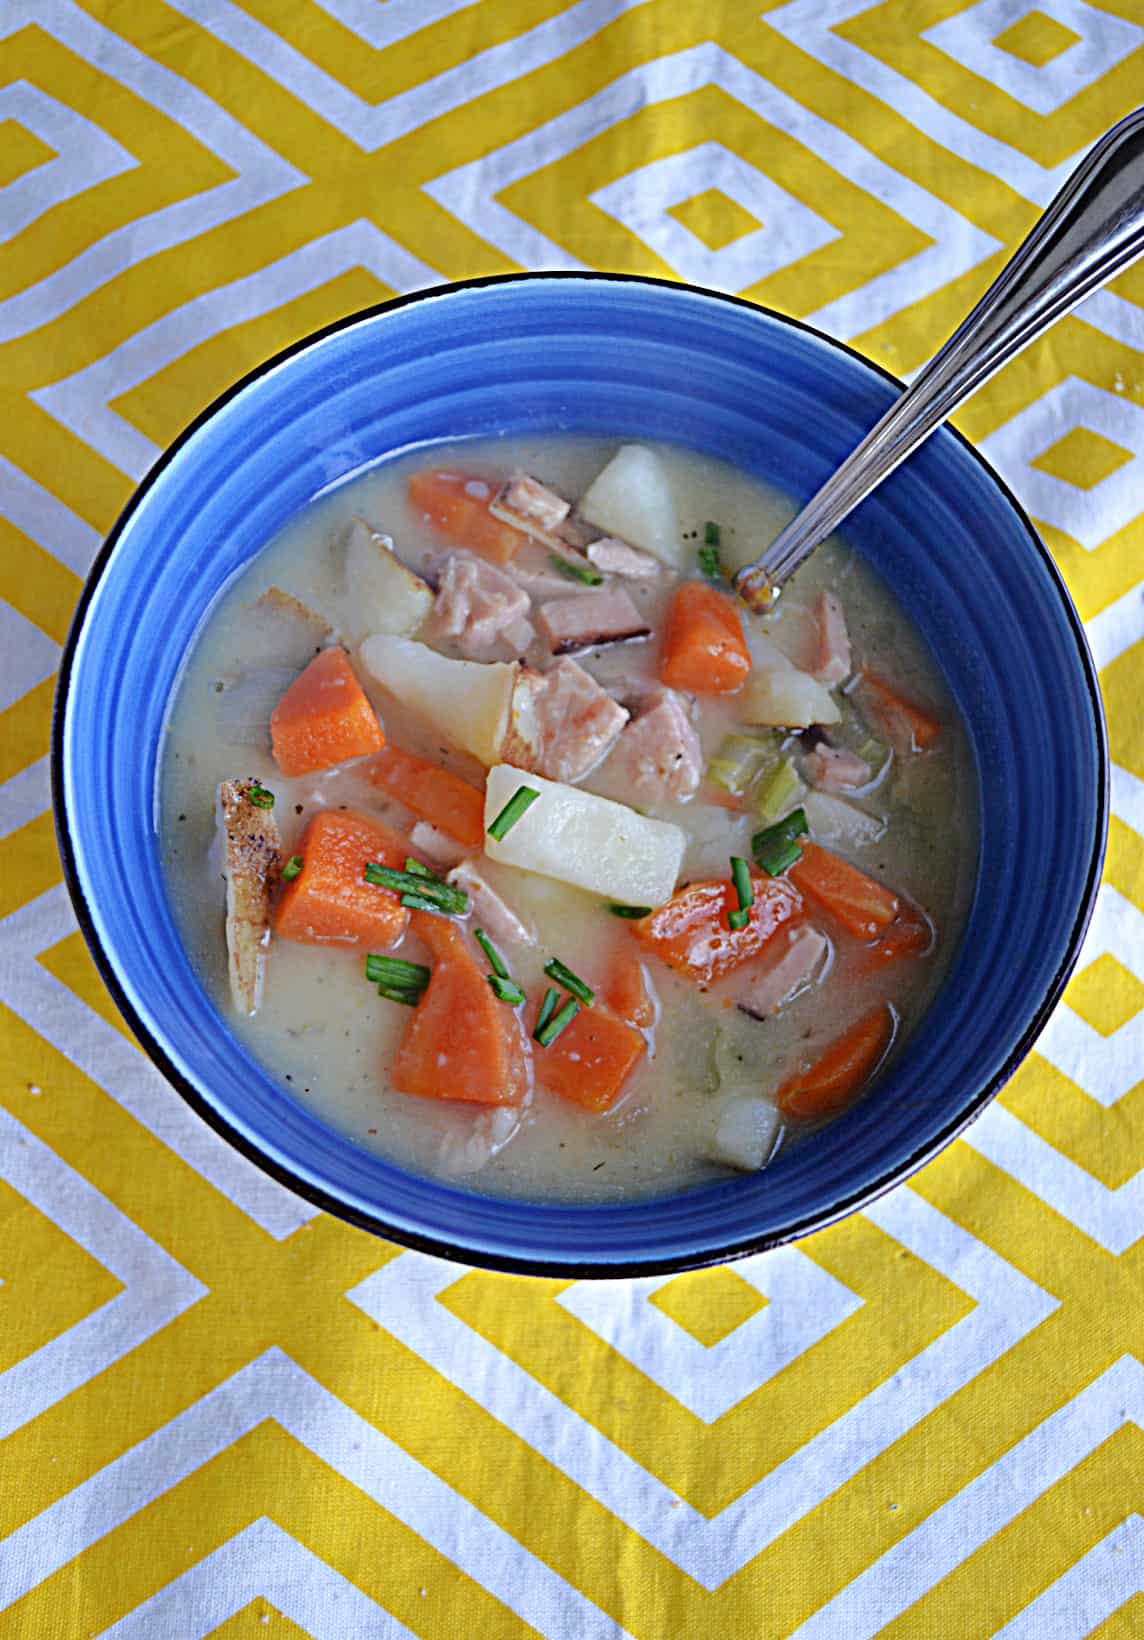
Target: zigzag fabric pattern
223	1413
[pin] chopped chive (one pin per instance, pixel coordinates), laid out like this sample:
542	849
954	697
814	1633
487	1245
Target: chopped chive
444	896
396	993
416	868
547	1009
577	572
505	990
744	888
785	830
259	796
491	952
396	971
522	799
292	868
564	976
546	1035
712	535
709	564
632	912
778	857
417	902
737	920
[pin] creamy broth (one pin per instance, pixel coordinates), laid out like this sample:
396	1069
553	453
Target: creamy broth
325	1034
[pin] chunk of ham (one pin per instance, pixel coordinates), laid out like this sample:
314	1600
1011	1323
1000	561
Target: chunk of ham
832	650
562	722
479	607
499	921
797	955
251	867
527	502
604	615
612	556
836	768
659	755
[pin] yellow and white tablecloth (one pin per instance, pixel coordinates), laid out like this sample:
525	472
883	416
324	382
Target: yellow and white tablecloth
223	1414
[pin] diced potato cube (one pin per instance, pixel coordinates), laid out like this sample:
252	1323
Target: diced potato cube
586	840
778	694
382	595
746	1133
632	498
466	701
833	820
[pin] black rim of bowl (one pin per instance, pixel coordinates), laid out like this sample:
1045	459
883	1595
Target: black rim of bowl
478	1256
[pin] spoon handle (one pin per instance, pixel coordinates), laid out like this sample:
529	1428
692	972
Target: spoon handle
1092	231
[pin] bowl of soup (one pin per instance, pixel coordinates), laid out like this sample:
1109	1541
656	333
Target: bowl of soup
469	856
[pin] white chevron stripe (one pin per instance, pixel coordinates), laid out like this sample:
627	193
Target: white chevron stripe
372	127
45	520
979	1511
1117	627
1127	794
260	174
27	656
124	1073
815	27
1086	1596
402	1296
274	1388
1114	316
84	156
1112	1218
470	192
24	797
381	26
82	402
261	1561
156	1288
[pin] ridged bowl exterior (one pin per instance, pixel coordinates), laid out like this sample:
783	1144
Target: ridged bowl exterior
624	358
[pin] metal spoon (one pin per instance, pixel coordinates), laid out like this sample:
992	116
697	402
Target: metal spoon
1092	231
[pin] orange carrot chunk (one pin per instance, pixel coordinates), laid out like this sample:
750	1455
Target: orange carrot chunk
691	933
591	1059
864	907
703	647
461	1043
436	794
910	727
835	1079
627	990
909	935
330	902
462	513
323	718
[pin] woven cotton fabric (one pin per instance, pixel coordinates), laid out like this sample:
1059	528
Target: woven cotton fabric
222	1413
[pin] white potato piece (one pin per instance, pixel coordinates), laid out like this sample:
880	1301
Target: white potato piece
778	694
382	595
632	498
585	840
833	820
746	1133
466	701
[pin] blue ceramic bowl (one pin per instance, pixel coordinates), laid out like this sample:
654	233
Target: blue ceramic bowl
629	359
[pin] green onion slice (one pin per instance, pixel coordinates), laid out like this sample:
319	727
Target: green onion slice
577	572
442	896
547	1009
632	912
741	877
259	796
776	859
709	564
712	534
292	868
776	848
396	971
395	993
506	990
496	960
564	976
418	902
737	920
546	1034
521	800
417	868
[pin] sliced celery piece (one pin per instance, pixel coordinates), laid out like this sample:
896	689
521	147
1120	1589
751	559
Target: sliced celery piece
779	792
741	759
